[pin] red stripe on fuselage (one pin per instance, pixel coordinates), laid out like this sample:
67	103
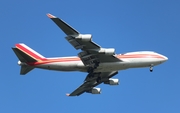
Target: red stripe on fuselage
46	61
140	56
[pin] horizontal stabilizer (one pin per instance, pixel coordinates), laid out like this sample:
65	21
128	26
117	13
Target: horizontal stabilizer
25	69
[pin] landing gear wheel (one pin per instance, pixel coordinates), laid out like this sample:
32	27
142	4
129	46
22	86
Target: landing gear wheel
90	70
151	69
91	75
98	79
96	64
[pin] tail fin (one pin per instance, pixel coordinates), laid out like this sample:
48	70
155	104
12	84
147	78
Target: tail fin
25	54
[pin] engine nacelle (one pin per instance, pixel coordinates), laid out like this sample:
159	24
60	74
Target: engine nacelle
112	81
84	37
95	90
109	51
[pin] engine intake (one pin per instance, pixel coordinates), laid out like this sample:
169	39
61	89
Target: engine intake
112	81
109	51
84	37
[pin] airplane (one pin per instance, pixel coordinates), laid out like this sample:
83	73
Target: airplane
100	64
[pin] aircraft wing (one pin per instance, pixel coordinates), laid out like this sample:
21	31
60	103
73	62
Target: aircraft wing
91	83
88	47
67	29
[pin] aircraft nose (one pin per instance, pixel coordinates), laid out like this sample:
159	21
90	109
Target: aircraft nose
164	58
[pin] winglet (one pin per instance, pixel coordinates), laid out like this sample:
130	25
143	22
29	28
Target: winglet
67	94
50	15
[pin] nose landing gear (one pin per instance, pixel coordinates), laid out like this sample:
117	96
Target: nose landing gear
151	68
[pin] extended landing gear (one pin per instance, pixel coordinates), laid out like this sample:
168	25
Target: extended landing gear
98	79
96	64
151	69
90	70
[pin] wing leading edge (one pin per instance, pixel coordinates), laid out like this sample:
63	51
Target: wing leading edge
67	29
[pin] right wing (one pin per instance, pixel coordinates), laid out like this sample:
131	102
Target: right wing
90	83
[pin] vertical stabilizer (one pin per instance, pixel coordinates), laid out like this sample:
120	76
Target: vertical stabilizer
26	55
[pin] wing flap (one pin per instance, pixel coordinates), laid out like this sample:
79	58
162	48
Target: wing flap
74	43
78	44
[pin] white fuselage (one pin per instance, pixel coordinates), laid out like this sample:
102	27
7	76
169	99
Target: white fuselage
127	60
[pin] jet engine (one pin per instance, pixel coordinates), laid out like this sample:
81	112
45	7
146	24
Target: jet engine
95	90
84	37
112	81
109	51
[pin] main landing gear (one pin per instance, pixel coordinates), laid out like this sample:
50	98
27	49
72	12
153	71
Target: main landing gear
90	70
98	79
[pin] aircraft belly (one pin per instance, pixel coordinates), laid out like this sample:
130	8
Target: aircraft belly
60	66
127	63
114	66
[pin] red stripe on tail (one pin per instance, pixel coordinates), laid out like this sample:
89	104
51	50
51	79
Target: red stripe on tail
27	51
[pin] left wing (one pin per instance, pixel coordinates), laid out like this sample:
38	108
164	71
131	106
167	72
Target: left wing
67	29
91	52
91	83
